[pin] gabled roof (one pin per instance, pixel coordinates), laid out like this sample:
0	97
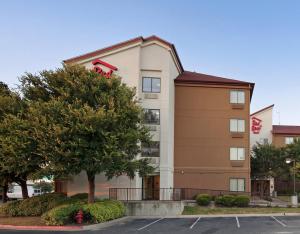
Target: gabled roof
188	77
123	44
263	109
286	129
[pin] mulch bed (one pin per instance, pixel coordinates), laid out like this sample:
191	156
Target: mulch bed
21	221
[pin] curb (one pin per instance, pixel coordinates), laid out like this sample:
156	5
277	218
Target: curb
41	228
65	228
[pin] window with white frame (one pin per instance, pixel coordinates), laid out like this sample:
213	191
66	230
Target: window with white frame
151	85
237	97
237	153
289	140
237	185
237	125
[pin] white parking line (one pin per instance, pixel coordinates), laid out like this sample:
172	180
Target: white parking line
278	221
150	224
237	222
191	227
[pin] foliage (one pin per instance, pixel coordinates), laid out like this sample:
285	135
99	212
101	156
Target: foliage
93	124
267	160
96	212
232	200
241	201
81	196
203	199
225	200
33	206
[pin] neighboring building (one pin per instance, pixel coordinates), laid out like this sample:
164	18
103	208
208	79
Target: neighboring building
284	134
264	132
211	126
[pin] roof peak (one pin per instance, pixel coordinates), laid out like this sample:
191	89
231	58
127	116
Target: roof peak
263	109
123	44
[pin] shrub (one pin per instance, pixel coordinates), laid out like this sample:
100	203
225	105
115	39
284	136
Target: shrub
10	208
203	199
80	196
241	201
225	200
96	212
33	206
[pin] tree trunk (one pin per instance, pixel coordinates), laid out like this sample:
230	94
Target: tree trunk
4	193
23	185
91	179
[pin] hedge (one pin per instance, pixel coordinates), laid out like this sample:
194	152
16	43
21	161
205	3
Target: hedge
93	213
231	200
33	206
203	199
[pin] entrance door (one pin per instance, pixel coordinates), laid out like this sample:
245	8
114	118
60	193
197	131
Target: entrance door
151	187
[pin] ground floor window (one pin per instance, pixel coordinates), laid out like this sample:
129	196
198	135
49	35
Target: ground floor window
237	185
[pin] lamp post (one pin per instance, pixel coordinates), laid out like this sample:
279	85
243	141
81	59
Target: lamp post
288	161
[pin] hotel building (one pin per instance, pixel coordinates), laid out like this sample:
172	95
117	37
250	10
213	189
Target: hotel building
199	123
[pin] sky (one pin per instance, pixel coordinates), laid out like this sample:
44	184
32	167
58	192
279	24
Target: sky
255	40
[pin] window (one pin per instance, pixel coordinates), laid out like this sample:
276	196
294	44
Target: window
237	153
237	125
152	116
237	97
237	185
289	140
150	149
151	85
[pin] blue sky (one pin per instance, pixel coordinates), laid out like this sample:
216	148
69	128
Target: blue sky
257	40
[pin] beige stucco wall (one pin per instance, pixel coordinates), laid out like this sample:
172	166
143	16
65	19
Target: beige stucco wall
133	62
266	131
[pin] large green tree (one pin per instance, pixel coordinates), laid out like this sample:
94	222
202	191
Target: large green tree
94	124
20	138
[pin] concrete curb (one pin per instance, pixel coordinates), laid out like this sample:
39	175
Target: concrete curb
41	228
65	228
106	224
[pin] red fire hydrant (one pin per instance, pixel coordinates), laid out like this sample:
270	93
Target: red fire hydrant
79	217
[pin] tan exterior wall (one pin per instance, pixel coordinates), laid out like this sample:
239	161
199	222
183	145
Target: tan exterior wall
203	138
279	140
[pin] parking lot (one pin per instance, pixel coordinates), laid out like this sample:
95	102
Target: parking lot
205	225
209	225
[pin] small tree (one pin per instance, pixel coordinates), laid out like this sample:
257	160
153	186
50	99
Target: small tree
267	160
94	123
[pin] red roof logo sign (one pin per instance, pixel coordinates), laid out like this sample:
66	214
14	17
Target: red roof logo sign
99	70
256	125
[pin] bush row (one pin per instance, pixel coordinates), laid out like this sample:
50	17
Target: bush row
92	213
36	206
223	200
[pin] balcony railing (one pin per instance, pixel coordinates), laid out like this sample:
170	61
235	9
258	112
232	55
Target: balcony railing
164	194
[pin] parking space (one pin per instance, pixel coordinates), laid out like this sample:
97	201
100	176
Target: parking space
208	225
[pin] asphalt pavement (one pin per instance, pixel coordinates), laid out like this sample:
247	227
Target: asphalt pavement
205	225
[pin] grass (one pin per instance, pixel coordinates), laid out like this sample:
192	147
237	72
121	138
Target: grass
198	210
21	221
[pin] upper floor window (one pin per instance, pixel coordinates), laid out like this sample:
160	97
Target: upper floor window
237	185
151	85
152	116
150	149
237	97
237	125
289	140
237	153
